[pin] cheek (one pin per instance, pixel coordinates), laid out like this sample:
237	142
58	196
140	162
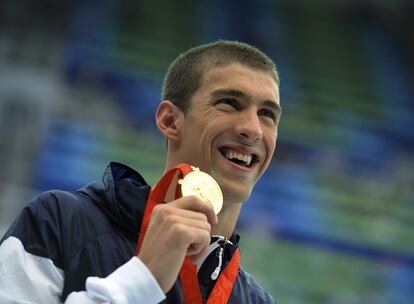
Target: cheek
209	131
201	138
270	143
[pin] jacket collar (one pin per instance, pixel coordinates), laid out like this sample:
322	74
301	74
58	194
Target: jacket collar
123	197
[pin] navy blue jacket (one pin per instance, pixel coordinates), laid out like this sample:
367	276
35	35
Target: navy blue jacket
93	231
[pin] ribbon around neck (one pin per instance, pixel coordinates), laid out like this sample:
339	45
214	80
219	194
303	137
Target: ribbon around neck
188	272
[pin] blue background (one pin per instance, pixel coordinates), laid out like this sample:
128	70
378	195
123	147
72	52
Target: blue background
332	219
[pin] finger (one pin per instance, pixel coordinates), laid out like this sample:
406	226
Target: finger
170	212
195	215
190	222
200	242
195	252
194	203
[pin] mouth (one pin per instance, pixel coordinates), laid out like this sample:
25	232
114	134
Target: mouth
243	159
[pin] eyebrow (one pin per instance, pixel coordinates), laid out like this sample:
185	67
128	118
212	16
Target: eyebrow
240	94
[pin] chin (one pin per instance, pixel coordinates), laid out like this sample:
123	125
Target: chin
236	195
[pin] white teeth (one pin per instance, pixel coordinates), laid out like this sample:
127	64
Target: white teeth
247	158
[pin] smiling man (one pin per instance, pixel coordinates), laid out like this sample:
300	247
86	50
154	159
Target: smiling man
220	112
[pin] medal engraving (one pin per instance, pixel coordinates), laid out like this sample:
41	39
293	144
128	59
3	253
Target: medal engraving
204	186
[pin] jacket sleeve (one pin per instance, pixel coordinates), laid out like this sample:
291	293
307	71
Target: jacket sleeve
25	277
32	267
121	287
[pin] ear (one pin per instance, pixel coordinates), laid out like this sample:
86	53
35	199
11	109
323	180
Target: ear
168	118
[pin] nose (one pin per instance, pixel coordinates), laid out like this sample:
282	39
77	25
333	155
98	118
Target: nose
248	126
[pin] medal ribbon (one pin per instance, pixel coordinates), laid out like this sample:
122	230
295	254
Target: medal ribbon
188	272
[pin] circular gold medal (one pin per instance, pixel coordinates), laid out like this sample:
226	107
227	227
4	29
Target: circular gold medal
204	186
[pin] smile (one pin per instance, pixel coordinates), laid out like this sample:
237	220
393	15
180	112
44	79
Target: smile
239	158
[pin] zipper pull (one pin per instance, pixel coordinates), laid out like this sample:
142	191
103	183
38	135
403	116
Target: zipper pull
216	271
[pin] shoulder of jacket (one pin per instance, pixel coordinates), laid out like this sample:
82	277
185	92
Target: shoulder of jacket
256	292
58	200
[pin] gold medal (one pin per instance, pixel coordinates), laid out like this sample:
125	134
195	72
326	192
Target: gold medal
204	186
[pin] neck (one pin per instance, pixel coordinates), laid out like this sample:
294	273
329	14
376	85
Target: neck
227	219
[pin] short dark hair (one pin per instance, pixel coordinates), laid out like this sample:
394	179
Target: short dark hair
185	73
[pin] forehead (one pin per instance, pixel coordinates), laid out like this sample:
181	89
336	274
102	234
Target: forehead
256	83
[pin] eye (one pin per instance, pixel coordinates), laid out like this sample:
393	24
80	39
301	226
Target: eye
234	103
267	113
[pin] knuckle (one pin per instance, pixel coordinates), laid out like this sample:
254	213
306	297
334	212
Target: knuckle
181	233
208	227
203	217
201	204
162	210
157	209
178	229
170	220
195	199
206	237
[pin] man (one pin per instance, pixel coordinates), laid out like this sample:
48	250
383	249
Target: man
220	113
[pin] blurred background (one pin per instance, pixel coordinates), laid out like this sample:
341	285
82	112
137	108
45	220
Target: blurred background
332	221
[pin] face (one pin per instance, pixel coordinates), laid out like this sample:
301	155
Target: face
230	128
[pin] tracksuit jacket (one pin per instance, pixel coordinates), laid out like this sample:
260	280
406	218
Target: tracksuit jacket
79	247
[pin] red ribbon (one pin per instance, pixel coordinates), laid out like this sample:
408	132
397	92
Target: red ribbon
188	272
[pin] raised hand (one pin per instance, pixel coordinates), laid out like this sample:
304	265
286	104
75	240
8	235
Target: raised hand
176	229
